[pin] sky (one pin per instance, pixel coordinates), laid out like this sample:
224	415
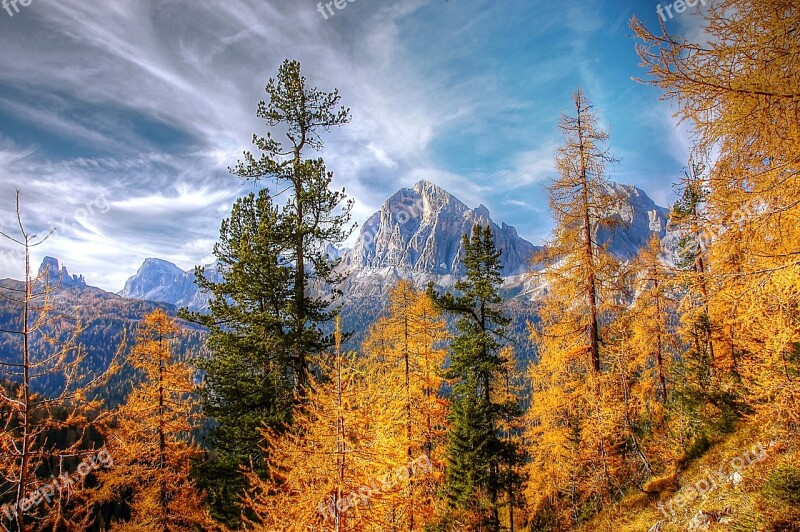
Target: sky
119	119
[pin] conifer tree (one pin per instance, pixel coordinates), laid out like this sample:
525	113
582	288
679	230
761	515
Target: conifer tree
404	353
314	215
475	447
29	454
268	318
576	418
740	93
151	442
248	380
328	469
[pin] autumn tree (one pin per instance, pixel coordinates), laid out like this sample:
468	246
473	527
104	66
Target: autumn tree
689	219
151	440
404	352
326	467
30	452
576	417
652	316
644	357
475	446
580	199
740	90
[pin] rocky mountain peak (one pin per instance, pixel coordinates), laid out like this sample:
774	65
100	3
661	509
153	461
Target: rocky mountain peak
57	275
418	231
633	221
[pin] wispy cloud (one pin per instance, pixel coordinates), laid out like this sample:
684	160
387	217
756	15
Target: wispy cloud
146	103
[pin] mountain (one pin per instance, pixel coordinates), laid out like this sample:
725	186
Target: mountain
417	234
50	271
162	281
103	322
632	222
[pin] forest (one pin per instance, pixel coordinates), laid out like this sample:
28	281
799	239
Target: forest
651	377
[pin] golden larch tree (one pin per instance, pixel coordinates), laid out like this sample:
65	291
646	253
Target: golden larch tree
575	418
740	89
327	470
405	353
151	442
43	435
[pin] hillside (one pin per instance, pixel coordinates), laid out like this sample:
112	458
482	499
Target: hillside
107	322
734	485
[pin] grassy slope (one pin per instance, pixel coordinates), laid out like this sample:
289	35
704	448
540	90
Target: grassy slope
740	508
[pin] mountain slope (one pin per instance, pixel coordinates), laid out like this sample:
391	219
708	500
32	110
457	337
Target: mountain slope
104	320
419	230
162	281
416	235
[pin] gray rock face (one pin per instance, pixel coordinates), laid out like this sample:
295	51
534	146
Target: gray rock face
632	222
416	235
418	231
162	281
59	276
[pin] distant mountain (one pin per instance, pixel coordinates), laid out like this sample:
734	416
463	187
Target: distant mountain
104	321
162	281
49	270
632	222
416	235
419	230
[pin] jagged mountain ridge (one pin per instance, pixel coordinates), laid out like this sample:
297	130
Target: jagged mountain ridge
102	321
416	235
419	230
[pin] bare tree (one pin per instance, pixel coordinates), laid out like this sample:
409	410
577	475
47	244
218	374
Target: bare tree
42	433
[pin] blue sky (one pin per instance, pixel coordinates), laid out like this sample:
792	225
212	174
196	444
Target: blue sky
118	119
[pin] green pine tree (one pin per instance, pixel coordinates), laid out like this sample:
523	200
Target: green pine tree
313	215
247	377
266	317
476	450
